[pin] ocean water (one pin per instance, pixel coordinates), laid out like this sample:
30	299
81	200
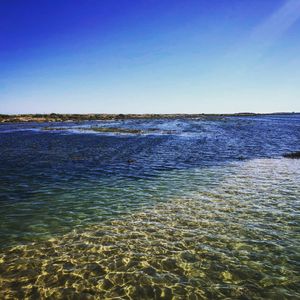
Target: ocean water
150	209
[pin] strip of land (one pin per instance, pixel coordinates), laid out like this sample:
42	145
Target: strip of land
41	118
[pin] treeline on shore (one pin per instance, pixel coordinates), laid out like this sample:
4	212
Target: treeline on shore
54	117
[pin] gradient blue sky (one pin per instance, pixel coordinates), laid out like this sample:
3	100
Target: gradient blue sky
149	56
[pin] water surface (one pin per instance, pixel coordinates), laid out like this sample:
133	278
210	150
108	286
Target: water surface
190	209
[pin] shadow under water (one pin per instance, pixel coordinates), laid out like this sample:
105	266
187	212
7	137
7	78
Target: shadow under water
239	240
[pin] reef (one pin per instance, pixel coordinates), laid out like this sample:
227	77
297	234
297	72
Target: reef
116	130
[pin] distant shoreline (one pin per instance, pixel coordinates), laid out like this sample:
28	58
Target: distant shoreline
41	118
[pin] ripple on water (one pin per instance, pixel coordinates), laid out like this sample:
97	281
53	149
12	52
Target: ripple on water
239	240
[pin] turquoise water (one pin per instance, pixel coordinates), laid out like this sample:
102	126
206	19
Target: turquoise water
207	210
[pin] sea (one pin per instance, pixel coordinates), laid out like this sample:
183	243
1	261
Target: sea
195	208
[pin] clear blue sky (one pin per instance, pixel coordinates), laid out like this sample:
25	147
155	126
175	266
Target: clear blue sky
149	56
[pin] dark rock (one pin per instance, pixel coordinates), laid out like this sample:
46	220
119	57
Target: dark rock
295	155
241	158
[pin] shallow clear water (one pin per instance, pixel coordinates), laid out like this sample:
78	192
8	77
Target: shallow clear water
209	210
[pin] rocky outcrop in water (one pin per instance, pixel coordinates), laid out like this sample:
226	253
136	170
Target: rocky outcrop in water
295	155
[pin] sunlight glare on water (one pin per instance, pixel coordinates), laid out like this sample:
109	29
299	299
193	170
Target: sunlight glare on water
233	233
